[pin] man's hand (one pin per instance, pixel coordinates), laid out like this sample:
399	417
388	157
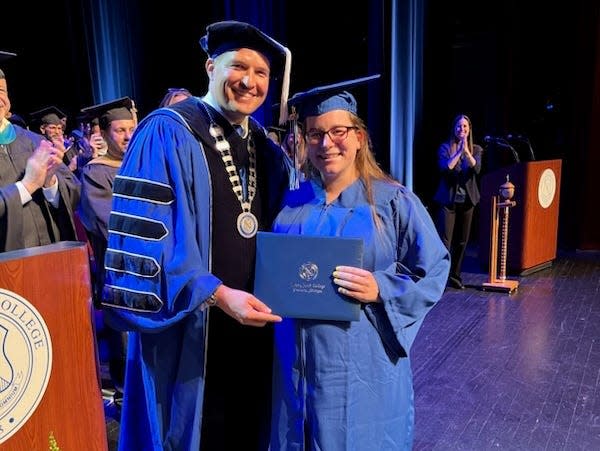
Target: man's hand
244	307
36	170
98	145
57	153
73	164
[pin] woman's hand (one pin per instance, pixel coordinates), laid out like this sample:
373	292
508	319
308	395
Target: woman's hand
356	283
468	155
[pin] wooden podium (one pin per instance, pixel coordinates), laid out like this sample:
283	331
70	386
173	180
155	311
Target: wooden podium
69	413
532	239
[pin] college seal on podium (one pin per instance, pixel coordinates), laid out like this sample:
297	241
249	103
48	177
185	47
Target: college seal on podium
25	361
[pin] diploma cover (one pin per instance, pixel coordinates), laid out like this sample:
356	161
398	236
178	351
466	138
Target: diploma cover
294	275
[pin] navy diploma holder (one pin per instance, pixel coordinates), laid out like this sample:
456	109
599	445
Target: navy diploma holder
294	275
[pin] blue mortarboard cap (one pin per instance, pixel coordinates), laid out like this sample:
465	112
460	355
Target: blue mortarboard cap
229	35
320	100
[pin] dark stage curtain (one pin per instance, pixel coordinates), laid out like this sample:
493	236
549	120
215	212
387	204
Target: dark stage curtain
112	39
406	85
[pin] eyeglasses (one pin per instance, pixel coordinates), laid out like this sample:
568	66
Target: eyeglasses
337	134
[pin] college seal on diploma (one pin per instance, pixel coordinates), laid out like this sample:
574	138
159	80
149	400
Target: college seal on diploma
25	361
308	271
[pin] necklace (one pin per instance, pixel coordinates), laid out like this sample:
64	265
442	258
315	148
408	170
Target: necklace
247	224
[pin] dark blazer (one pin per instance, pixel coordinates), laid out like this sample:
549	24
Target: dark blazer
451	178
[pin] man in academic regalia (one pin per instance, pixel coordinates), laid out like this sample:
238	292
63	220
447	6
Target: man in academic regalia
117	121
38	193
198	181
49	122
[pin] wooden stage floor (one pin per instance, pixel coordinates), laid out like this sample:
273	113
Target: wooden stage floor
495	371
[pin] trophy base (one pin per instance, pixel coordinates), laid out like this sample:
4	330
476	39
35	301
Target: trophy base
504	286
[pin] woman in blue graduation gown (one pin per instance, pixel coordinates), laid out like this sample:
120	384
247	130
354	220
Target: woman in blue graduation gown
348	385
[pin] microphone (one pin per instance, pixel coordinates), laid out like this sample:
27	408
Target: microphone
492	139
517	137
498	141
522	140
504	144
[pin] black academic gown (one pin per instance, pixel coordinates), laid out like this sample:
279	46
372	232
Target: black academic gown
36	223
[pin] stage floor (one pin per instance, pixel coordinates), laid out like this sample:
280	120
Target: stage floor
494	371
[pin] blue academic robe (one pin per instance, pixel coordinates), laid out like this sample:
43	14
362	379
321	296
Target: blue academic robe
158	264
348	385
155	285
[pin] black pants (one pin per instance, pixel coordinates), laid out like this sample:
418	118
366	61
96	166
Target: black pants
237	394
454	227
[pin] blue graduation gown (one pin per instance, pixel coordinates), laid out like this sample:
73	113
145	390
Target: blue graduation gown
348	385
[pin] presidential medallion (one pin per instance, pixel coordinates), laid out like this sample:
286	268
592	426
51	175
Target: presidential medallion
247	224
